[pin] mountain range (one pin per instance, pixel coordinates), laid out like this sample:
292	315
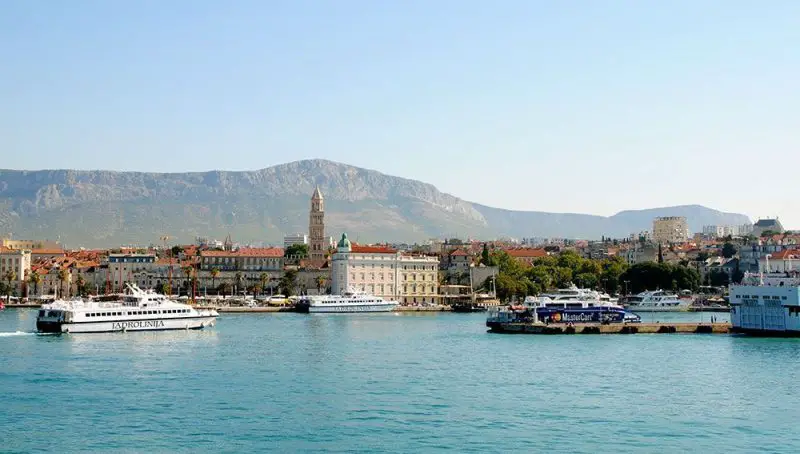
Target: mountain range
106	208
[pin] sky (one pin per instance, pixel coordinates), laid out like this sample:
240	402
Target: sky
564	106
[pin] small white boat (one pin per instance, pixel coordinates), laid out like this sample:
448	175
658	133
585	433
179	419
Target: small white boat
657	301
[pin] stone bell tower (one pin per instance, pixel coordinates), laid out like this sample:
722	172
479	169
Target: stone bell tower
317	245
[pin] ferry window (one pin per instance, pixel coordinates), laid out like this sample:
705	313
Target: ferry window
783	297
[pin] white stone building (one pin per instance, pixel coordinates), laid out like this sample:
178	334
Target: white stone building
16	261
384	272
294	238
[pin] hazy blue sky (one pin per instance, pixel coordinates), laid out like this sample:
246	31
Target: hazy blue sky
576	106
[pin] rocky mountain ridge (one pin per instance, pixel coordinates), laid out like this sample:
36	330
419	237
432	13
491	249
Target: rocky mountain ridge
107	208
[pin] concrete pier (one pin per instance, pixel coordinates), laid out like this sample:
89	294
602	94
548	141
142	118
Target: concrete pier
613	328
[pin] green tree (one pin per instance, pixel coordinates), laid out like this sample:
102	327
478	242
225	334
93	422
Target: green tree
176	251
165	288
320	283
238	278
485	258
702	256
35	278
263	279
719	278
80	286
214	273
288	282
10	277
586	280
728	250
296	250
63	275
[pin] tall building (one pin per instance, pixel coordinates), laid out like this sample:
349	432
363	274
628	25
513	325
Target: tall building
294	238
670	229
317	242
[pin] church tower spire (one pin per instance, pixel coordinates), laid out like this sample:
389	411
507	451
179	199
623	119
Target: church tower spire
317	246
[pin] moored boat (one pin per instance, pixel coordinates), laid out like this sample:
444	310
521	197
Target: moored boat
350	301
766	304
546	310
657	301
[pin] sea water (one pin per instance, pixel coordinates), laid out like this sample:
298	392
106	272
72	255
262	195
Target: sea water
392	382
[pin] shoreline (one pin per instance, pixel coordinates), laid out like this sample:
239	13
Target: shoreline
266	309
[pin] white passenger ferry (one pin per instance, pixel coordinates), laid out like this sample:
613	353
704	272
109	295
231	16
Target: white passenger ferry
766	304
138	310
657	301
351	301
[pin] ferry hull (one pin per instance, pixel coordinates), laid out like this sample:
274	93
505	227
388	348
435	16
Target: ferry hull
657	309
184	323
354	308
764	332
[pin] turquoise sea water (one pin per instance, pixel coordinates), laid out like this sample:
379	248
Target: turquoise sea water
392	382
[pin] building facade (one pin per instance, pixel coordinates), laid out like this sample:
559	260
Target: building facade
317	243
14	264
384	272
245	259
294	238
767	225
670	229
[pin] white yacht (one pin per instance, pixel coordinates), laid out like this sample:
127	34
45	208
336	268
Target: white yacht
657	301
137	310
766	304
574	294
350	301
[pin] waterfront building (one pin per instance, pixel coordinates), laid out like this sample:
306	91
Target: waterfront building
456	263
294	238
670	229
780	262
123	267
14	263
317	242
245	259
384	272
767	225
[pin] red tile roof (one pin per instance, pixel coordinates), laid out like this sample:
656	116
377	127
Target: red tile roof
786	254
372	249
526	252
48	251
459	252
246	252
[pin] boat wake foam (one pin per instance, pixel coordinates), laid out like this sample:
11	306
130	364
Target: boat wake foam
25	333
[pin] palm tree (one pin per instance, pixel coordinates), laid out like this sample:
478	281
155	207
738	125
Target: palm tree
214	274
63	275
320	283
35	278
187	270
256	289
80	285
263	279
10	276
238	279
